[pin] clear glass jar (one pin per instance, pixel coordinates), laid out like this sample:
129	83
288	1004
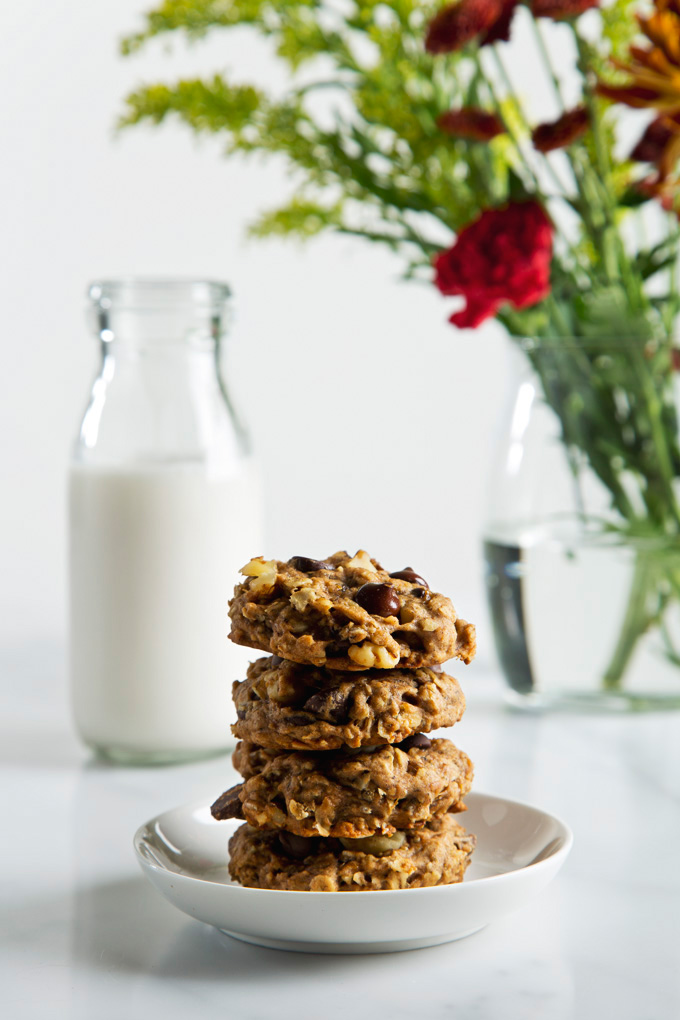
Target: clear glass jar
164	509
582	537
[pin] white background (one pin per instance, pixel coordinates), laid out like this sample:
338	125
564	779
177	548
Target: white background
372	416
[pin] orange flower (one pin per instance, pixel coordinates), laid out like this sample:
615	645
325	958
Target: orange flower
654	71
654	83
479	125
561	132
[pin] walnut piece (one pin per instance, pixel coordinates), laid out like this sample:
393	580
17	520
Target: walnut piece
262	571
301	598
362	561
368	655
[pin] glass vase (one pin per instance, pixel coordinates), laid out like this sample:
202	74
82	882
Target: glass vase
581	540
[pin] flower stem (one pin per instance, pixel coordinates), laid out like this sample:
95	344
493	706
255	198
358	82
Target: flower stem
615	257
636	621
547	63
512	94
512	135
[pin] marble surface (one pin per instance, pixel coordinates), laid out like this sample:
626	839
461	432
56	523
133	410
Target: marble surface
84	936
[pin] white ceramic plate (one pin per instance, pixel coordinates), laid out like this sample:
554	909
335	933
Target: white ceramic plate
183	852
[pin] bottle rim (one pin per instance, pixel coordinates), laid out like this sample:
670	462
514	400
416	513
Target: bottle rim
158	293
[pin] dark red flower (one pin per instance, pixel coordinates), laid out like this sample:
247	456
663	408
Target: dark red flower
500	32
653	143
561	132
636	96
459	24
471	122
501	258
560	10
664	190
660	145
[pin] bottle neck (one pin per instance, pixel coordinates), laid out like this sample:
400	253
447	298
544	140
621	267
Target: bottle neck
159	398
153	314
123	331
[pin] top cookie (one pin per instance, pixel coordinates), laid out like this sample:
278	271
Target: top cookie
346	612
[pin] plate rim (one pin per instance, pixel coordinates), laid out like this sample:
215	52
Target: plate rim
547	863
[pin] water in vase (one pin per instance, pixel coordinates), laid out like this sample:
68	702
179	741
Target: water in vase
558	602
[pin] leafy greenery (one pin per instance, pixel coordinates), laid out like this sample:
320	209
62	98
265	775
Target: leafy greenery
380	168
358	126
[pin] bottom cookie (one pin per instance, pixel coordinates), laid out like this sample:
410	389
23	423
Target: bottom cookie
436	854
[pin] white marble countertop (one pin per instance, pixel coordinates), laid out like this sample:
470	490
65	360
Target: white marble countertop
84	937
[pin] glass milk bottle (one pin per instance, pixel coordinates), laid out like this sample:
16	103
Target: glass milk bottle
164	509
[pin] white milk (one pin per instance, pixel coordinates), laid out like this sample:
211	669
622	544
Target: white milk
154	558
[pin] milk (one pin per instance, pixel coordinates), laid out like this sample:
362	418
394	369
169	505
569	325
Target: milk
154	556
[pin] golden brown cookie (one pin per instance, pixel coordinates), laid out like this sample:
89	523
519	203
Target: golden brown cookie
436	854
351	795
289	706
346	613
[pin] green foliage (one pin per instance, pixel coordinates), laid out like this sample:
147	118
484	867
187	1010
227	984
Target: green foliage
197	17
396	178
206	106
358	128
619	26
301	218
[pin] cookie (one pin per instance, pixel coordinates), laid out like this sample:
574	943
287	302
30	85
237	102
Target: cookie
436	854
346	613
286	705
350	795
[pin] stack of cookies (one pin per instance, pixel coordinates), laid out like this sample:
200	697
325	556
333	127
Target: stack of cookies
342	790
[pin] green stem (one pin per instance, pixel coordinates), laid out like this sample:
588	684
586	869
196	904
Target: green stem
673	291
602	181
654	411
636	621
547	63
512	94
497	102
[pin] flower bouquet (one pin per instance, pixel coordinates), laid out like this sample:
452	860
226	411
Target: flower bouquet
401	124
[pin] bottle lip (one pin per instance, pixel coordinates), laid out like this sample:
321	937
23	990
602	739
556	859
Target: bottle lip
158	293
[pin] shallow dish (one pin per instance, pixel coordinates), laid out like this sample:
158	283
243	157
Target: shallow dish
184	853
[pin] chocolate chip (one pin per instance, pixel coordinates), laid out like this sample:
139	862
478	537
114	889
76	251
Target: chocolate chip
274	661
308	566
415	740
241	713
421	593
297	719
330	704
296	846
335	651
378	599
228	805
409	574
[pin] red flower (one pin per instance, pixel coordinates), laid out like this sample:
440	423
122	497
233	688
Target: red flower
459	24
501	258
660	144
500	31
560	10
654	142
561	132
664	189
471	122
